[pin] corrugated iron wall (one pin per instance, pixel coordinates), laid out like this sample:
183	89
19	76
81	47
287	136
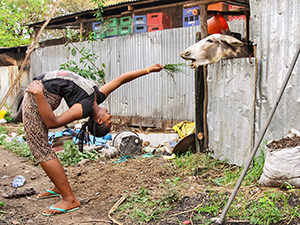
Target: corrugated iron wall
276	28
156	96
230	118
160	96
7	76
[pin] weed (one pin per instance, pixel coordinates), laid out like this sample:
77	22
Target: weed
232	174
187	163
71	155
14	146
173	68
216	202
172	192
255	172
198	218
143	208
18	148
265	211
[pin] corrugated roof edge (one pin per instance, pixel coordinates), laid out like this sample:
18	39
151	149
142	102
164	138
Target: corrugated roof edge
87	10
121	2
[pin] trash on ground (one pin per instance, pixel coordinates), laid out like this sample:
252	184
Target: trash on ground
19	193
169	157
19	181
186	144
111	152
124	158
128	143
184	128
3	121
1	203
2	113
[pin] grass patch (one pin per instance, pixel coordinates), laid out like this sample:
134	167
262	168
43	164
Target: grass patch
142	207
20	149
70	156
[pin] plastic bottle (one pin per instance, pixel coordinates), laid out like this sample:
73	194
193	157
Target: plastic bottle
18	181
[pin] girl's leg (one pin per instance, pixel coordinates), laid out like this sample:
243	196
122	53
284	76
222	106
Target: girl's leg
56	173
37	139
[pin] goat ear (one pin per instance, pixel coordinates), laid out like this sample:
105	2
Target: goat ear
232	41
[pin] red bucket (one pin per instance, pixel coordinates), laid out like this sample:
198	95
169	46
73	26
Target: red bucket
216	24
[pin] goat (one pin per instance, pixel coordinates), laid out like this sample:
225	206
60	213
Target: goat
214	48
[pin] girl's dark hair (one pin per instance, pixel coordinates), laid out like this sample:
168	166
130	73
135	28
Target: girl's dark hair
96	129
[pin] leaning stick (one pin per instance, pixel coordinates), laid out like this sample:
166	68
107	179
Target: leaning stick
114	208
31	48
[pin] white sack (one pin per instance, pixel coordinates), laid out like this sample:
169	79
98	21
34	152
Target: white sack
281	165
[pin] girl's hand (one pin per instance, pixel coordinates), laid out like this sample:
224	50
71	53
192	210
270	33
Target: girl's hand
35	87
155	68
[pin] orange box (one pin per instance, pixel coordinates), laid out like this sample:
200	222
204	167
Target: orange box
217	7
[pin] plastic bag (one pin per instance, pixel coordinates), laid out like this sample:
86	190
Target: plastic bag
184	128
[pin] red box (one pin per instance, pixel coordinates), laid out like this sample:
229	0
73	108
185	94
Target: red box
158	19
157	27
230	18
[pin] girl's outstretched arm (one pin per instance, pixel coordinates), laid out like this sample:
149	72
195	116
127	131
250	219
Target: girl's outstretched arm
127	77
46	112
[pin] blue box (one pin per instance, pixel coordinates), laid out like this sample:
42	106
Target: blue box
97	26
140	20
189	19
140	28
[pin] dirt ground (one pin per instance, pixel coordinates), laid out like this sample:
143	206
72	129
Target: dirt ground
99	185
287	142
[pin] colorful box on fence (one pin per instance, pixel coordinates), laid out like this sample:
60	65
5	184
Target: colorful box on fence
140	20
157	27
96	26
231	18
123	30
112	31
125	21
113	22
99	31
140	28
218	7
98	34
159	19
189	19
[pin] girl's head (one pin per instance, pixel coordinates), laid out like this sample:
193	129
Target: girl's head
100	123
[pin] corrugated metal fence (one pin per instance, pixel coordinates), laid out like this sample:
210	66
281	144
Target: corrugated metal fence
276	28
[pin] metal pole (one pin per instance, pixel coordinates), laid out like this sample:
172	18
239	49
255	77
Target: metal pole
239	182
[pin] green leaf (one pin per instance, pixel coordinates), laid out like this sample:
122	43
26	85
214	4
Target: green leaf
73	52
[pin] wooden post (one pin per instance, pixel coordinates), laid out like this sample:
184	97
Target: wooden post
204	33
81	31
199	98
247	15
